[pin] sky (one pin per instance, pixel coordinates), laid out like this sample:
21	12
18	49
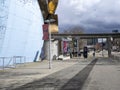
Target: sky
94	16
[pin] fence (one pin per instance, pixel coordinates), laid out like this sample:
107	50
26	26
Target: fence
115	57
11	62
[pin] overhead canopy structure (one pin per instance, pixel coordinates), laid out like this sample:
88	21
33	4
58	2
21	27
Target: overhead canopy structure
87	36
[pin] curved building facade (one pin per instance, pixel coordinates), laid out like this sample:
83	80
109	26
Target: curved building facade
20	29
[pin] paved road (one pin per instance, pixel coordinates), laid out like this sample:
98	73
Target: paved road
104	76
70	78
99	74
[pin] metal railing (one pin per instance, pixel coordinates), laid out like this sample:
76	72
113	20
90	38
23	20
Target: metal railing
115	57
19	60
11	62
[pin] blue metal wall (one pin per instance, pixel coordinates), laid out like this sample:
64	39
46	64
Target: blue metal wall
23	36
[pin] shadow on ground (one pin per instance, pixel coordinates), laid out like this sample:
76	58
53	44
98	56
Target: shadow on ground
55	82
78	80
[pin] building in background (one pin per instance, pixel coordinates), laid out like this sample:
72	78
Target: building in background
20	29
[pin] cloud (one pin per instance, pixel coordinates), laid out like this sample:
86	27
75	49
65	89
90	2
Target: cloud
90	14
83	5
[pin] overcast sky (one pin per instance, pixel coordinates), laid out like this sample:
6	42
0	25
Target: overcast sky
92	15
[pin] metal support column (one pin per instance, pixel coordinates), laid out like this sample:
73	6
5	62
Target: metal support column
109	46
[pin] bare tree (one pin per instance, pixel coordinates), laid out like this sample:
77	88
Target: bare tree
74	30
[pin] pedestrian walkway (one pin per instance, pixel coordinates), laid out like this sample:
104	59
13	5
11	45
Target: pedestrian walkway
29	72
104	76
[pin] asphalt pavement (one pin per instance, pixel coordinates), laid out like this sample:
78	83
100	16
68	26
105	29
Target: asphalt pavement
71	78
25	73
75	74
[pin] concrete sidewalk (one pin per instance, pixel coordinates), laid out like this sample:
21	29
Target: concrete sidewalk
29	72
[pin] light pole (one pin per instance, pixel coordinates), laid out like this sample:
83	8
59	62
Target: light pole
50	60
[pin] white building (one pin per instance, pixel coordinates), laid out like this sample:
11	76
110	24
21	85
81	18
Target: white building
20	28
